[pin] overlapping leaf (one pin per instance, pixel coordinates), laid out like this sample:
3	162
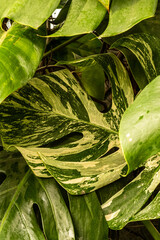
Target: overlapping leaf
87	45
105	3
31	13
20	53
140	140
142	52
83	17
53	107
124	15
20	192
126	204
87	207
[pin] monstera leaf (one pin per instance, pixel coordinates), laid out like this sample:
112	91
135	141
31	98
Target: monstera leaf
21	193
20	53
88	207
142	52
31	13
54	107
129	204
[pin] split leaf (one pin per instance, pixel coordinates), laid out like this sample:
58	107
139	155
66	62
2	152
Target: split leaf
59	131
26	201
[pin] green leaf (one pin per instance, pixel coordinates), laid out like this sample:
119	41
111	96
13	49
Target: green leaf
20	192
139	128
83	17
93	80
20	53
26	12
142	52
88	218
151	211
122	207
125	14
91	74
53	107
105	3
148	26
114	70
83	47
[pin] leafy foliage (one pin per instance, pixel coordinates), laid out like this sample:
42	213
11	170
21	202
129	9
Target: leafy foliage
69	124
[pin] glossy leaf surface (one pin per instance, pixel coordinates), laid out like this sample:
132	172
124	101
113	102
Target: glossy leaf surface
125	14
20	53
83	17
53	107
142	52
20	192
126	204
140	125
88	218
31	13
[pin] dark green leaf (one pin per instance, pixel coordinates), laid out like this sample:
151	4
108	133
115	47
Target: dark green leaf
19	193
88	218
83	47
93	80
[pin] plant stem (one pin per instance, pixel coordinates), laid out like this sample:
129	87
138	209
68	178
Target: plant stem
153	231
63	45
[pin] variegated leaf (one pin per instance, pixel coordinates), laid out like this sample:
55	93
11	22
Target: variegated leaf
122	96
151	211
20	53
125	205
53	107
20	192
142	52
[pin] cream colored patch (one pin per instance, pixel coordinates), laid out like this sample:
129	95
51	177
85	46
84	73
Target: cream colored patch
71	233
109	217
153	163
77	180
154	183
